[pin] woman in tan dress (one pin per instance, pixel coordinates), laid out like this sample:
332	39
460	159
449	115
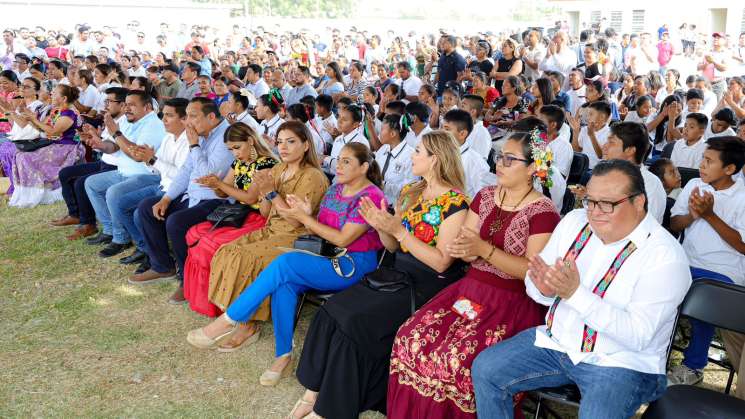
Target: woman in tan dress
238	263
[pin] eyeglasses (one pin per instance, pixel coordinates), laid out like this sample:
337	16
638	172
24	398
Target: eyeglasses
606	207
507	160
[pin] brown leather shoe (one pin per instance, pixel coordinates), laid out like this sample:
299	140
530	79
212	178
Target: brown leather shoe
177	297
65	221
150	277
84	231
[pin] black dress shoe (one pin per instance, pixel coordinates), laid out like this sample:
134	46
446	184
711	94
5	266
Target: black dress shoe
137	257
100	238
144	267
113	249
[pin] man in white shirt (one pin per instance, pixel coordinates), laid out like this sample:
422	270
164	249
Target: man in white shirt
711	210
613	300
559	139
689	150
716	60
459	123
255	82
532	55
166	161
72	178
394	158
409	84
559	56
82	45
628	141
480	138
22	62
576	91
136	69
590	139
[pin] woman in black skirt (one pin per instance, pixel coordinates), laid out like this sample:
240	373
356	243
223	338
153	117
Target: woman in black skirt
345	359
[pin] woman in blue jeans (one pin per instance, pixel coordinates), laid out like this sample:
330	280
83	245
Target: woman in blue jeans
291	274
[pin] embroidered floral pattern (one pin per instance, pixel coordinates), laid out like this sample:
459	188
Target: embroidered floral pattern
438	366
425	217
243	173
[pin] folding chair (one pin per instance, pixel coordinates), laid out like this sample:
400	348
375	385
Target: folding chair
719	304
580	164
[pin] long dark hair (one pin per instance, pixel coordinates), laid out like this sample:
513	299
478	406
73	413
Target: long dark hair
364	155
338	76
659	132
546	90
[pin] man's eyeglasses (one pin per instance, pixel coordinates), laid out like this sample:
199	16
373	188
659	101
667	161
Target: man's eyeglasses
606	207
507	160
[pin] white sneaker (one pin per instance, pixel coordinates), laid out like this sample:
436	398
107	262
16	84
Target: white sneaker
680	374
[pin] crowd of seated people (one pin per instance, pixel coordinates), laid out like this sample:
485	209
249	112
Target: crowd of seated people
480	194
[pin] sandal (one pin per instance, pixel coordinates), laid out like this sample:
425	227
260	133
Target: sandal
271	378
300	402
247	342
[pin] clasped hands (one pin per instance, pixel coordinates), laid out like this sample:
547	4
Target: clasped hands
559	279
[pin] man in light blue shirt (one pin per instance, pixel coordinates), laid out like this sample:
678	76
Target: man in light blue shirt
143	128
300	78
186	203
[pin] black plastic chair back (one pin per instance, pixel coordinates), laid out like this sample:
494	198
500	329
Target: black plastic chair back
580	164
717	303
667	151
686	174
568	202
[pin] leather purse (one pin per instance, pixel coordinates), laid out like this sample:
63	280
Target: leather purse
388	279
229	215
32	145
318	246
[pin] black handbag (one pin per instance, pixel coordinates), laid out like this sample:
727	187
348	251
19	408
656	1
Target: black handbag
388	279
32	145
318	246
229	215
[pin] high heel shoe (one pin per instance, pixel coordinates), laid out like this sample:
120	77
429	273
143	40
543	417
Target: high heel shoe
271	378
198	339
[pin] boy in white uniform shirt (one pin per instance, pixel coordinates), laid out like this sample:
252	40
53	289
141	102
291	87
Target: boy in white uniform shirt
711	210
689	150
479	139
394	158
590	139
559	144
350	119
722	123
459	123
417	114
607	330
325	119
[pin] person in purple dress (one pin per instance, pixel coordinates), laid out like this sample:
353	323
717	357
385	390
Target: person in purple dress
35	174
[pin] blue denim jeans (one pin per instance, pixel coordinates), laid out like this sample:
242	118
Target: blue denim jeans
515	365
103	188
123	208
696	355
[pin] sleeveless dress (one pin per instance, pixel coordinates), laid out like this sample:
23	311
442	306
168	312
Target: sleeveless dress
347	348
430	374
203	241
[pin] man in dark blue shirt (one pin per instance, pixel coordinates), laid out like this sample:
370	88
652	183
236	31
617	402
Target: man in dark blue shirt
450	63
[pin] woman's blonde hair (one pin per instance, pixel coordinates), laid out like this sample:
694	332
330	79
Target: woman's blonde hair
447	169
240	132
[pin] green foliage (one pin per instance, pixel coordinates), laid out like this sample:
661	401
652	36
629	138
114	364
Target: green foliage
290	8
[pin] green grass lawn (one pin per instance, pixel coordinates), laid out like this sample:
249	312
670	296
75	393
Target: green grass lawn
78	341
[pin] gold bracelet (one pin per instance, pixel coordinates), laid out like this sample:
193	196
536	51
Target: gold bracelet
493	248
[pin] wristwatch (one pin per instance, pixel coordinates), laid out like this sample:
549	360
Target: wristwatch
193	146
117	134
152	161
271	195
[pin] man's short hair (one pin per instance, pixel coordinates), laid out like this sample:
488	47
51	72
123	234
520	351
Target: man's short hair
701	120
179	104
194	67
528	124
198	49
144	97
461	119
631	171
731	150
303	69
475	101
601	106
694	94
256	69
325	101
208	106
23	57
418	109
120	93
554	114
633	134
404	64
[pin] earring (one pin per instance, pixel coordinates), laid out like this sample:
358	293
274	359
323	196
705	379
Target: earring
253	155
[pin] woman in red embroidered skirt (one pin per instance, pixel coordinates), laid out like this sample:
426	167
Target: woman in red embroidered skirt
430	373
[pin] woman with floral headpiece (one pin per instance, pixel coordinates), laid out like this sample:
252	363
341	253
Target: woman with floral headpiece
430	373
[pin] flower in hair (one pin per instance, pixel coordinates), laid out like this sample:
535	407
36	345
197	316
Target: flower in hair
542	157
